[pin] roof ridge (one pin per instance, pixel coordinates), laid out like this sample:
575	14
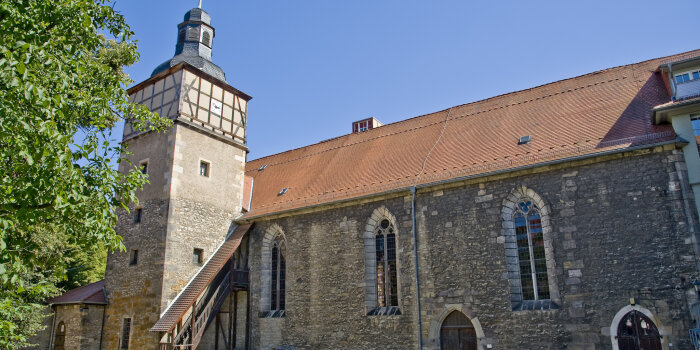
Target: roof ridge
605	70
435	123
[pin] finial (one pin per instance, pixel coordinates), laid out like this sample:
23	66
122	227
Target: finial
200	4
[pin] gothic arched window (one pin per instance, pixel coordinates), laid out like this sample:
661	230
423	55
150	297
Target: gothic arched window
273	273
278	271
382	264
531	254
385	245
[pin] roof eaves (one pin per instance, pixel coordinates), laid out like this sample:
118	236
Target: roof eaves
661	112
252	218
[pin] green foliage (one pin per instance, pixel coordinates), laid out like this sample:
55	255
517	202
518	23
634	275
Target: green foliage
60	76
84	266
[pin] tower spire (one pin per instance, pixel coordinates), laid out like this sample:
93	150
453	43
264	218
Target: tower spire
195	37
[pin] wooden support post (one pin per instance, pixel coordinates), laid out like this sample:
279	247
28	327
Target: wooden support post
247	320
232	295
216	338
192	323
235	318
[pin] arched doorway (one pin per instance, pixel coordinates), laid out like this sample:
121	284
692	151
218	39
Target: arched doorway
457	333
637	332
60	338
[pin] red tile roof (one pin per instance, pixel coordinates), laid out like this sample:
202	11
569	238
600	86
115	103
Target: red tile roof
92	293
199	282
597	112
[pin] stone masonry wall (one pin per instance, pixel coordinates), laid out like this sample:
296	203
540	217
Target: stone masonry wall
619	231
83	324
134	291
325	284
202	208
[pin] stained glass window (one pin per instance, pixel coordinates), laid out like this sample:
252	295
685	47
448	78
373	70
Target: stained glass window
531	252
387	285
277	290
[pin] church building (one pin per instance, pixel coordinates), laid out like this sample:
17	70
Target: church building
564	216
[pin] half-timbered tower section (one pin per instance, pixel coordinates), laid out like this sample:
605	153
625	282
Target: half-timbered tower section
195	170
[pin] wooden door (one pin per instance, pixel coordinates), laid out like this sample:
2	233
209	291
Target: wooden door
60	338
637	332
457	333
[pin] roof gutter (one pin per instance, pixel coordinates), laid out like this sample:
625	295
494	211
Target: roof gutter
53	326
671	80
676	140
663	112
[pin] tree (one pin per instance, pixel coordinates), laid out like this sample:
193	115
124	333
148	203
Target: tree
62	89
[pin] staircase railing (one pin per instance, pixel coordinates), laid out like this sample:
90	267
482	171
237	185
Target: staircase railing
695	338
206	309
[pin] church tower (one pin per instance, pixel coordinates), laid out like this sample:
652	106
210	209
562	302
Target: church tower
195	169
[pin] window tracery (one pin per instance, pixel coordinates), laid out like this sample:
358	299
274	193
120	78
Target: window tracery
529	253
382	265
385	244
273	273
278	267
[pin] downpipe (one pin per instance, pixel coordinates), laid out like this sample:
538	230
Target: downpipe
415	263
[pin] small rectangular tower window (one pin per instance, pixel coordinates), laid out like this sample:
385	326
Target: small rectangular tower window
144	166
134	257
197	256
126	331
137	215
204	168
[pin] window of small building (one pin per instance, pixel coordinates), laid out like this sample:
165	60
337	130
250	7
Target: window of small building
278	280
204	168
197	256
138	212
363	126
126	332
60	338
134	257
686	77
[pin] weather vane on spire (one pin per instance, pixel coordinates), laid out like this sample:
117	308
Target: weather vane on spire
200	4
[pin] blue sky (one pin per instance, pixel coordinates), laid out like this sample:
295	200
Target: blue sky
315	66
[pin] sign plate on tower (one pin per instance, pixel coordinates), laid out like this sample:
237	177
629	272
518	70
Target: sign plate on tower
216	107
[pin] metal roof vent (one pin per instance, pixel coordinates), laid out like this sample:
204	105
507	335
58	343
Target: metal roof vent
284	190
524	139
262	167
